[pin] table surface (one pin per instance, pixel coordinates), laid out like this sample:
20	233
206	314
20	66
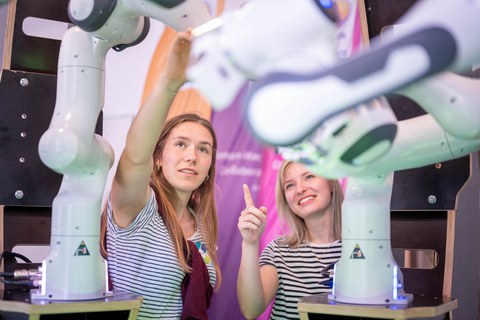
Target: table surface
18	300
420	306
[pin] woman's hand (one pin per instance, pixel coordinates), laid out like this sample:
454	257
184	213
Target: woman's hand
251	222
177	61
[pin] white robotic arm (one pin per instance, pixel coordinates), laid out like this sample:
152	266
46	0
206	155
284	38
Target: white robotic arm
115	20
317	112
420	141
452	100
71	148
74	268
436	36
315	116
448	132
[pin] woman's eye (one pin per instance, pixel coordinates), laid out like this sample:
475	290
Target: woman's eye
310	176
203	150
180	144
288	186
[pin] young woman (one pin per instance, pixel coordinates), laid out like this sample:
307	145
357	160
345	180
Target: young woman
300	263
161	216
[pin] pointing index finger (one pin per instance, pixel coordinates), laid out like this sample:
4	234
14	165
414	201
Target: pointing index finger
247	196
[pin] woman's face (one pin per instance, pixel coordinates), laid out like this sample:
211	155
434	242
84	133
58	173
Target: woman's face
187	157
307	194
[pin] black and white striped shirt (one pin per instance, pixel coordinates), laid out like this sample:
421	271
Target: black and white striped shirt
143	260
299	273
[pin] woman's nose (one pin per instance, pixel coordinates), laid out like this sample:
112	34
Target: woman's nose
191	155
301	188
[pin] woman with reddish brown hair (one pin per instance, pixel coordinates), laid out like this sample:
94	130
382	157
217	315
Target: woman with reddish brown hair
160	224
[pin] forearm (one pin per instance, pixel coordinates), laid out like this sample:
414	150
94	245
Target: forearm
147	125
130	185
130	189
251	296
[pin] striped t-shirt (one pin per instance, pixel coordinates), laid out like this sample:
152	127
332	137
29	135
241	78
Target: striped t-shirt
299	273
143	260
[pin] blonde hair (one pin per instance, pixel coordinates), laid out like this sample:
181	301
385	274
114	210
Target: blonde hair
202	200
298	231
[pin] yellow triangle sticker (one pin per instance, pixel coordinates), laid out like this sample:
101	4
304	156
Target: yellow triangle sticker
82	250
357	253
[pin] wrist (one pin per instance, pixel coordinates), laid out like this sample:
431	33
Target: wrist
169	85
172	92
250	245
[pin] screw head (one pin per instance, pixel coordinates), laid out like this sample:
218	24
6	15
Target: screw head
24	82
19	194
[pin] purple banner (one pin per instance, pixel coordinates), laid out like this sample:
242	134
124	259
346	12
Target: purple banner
239	161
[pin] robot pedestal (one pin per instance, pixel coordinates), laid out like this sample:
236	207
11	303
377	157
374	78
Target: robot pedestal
367	273
422	306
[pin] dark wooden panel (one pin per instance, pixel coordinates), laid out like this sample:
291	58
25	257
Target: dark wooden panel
33	53
412	188
26	225
422	230
381	13
25	114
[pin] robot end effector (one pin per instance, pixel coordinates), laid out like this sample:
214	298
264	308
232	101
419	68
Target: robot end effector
244	44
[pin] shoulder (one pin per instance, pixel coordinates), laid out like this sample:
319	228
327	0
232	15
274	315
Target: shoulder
281	243
147	214
280	240
272	245
276	246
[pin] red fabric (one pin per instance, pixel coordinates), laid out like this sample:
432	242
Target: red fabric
196	288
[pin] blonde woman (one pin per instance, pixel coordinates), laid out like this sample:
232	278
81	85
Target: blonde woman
299	263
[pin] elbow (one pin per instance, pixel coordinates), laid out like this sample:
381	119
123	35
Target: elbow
250	315
251	311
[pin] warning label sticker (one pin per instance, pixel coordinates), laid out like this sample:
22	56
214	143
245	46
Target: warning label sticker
357	253
82	250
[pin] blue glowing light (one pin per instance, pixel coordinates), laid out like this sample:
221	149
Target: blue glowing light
334	277
326	3
395	282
